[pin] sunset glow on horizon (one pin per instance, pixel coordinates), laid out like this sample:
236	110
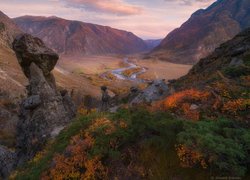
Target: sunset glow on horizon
148	19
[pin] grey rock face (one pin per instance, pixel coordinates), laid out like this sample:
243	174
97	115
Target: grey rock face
45	109
236	62
32	102
7	159
155	91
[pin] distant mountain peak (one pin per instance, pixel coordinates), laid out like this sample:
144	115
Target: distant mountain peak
80	38
205	30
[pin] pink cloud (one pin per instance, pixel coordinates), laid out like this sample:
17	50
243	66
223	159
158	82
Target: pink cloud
117	7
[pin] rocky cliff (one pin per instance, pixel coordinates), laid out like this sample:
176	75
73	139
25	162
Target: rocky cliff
45	111
79	38
205	30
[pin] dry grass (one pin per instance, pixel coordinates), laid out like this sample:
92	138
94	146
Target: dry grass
130	72
162	70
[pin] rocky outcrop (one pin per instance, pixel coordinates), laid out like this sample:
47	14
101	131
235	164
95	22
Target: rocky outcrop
45	109
156	90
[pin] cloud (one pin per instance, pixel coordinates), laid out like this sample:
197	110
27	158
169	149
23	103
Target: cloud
117	7
191	2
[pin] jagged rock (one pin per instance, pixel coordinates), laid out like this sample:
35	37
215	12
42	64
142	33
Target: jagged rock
7	159
156	91
45	110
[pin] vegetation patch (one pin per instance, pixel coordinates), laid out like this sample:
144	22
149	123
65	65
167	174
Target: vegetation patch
222	146
238	71
130	72
138	143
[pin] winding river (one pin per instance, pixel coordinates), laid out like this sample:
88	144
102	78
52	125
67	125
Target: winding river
118	73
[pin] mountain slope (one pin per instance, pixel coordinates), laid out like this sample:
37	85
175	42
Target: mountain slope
204	31
225	77
74	37
152	43
8	30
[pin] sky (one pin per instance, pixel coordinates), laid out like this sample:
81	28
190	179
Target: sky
148	19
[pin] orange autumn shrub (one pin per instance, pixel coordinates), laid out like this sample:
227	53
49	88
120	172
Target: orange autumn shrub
192	94
181	102
234	106
189	157
75	162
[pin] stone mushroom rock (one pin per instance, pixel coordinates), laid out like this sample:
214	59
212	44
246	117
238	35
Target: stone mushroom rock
45	109
30	49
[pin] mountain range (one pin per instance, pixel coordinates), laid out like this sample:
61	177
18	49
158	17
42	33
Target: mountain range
205	30
79	38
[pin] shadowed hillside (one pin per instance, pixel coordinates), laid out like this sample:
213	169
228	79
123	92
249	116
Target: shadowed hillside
204	31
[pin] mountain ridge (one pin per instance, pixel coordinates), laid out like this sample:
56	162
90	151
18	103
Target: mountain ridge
205	30
76	37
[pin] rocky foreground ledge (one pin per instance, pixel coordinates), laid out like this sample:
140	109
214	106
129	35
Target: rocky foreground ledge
45	111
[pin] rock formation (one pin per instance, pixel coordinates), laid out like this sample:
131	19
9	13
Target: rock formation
156	90
45	110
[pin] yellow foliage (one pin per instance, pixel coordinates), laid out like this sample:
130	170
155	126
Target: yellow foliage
233	106
84	111
103	122
190	157
222	89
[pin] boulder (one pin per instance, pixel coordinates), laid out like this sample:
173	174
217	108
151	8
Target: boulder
45	110
156	90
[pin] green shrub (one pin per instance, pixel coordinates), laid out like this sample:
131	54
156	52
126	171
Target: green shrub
246	60
223	143
234	72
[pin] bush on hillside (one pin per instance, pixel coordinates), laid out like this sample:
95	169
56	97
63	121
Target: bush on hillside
220	145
